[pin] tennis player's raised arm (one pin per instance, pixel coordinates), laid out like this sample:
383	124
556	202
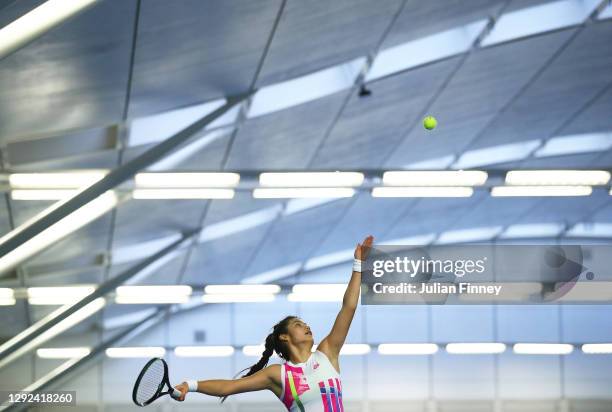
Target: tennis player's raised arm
263	379
332	344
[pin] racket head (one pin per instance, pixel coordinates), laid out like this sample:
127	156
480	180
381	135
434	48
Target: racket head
150	382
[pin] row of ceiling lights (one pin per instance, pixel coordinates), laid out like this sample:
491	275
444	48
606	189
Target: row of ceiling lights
53	186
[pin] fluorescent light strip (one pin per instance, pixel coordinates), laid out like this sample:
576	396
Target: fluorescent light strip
407	348
7	293
557	177
597	348
532	230
590	229
161	194
62	353
7	301
186	180
52	234
437	191
539	19
151	300
317	293
44	194
239	224
203	351
38	21
575	144
53	180
303	89
496	154
499	191
355	349
475	348
319	192
237	298
468	235
58	295
256	350
241	289
311	179
424	50
543	348
158	294
136	352
435	178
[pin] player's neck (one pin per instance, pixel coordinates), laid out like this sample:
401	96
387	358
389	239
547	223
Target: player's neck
301	354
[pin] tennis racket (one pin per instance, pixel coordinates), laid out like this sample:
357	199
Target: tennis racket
152	382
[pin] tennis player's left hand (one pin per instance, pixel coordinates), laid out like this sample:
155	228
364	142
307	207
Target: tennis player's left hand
183	388
363	249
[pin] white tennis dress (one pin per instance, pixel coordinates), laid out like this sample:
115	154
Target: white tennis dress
311	386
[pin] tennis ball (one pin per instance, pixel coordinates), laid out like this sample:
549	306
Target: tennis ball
430	122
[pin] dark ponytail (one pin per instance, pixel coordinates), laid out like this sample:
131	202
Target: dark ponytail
273	344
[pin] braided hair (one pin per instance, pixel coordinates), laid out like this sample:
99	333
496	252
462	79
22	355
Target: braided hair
273	344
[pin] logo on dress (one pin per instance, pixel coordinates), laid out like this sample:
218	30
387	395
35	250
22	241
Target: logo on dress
316	365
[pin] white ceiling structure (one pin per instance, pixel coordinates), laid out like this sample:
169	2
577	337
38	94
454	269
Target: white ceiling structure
514	84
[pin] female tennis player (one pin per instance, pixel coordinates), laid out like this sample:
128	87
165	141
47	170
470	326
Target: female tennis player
306	381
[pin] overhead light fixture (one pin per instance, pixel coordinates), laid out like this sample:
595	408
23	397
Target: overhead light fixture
496	154
256	350
557	177
306	88
424	50
407	348
499	191
541	18
436	191
238	298
164	194
435	178
468	235
286	193
38	21
590	229
62	353
157	294
203	351
355	349
317	293
575	144
7	297
532	230
186	180
42	194
136	352
475	348
59	295
242	289
74	221
311	179
543	348
597	348
55	180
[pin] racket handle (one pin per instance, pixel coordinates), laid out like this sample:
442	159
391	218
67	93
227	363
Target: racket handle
175	394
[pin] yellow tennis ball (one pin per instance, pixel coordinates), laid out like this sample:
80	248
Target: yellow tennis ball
430	122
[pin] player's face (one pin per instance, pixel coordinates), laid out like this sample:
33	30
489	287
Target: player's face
300	330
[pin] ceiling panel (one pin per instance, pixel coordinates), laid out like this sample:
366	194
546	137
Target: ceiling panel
313	35
284	140
562	89
295	237
71	77
197	50
370	128
419	19
474	97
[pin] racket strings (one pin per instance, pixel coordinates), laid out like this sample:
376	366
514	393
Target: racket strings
150	382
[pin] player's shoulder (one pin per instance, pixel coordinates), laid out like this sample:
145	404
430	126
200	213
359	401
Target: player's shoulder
273	371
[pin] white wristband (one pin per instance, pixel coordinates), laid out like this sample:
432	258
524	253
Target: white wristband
193	385
357	265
